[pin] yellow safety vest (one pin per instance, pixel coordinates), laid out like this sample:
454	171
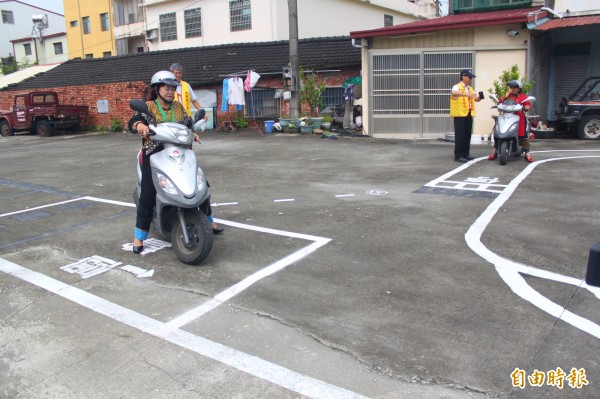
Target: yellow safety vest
460	106
186	97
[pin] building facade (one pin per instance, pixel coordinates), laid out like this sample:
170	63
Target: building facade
186	23
89	28
17	40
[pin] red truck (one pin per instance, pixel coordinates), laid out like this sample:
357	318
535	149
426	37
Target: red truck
40	112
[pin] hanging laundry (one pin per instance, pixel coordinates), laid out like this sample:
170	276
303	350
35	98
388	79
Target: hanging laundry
251	80
236	91
225	96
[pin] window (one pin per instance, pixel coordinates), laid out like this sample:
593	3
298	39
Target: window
262	103
388	20
104	22
58	48
88	56
193	23
168	27
106	54
333	99
85	21
240	15
8	17
140	49
20	101
131	18
74	24
27	48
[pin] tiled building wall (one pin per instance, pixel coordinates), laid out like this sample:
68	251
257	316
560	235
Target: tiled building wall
119	95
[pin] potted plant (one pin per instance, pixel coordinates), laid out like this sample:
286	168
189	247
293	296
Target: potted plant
326	122
292	127
310	93
241	123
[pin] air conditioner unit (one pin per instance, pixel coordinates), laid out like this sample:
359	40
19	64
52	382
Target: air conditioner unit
152	34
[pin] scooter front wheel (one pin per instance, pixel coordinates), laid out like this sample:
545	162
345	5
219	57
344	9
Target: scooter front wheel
200	234
503	152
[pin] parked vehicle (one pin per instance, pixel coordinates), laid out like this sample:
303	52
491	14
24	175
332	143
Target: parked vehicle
41	112
581	110
506	129
182	192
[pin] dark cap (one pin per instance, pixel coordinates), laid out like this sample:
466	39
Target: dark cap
466	72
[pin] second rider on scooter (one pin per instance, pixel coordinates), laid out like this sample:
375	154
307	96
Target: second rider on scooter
161	105
515	93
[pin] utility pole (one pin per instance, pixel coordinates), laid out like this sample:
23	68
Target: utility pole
293	22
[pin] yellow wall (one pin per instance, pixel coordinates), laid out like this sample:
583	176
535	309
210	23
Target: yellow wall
97	42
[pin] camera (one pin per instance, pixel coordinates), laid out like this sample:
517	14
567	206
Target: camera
512	33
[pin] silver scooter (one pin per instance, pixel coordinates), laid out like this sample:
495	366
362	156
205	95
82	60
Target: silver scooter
506	129
182	192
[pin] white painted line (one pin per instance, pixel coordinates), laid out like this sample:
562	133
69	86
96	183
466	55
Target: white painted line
41	207
344	195
270	231
107	201
252	365
511	272
284	200
234	290
224	204
138	271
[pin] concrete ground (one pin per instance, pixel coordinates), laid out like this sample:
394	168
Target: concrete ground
348	268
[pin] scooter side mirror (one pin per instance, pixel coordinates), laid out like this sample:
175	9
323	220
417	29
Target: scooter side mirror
529	99
139	106
493	97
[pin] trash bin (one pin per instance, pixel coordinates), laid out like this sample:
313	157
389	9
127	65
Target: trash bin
269	126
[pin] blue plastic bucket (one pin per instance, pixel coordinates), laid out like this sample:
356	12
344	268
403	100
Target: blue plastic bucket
269	126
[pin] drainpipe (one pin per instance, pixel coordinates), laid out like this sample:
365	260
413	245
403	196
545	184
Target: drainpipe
551	11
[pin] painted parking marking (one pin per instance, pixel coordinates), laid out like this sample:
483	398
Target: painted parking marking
40	207
284	200
138	271
344	195
512	272
252	365
150	245
376	192
91	266
224	204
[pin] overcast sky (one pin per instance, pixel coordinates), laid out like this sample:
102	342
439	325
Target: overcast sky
51	5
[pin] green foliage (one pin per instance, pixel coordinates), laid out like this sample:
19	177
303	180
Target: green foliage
241	122
99	128
116	125
500	88
327	118
14	66
311	90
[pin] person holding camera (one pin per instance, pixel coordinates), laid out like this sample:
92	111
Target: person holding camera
462	109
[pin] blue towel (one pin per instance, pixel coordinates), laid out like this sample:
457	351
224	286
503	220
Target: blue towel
225	95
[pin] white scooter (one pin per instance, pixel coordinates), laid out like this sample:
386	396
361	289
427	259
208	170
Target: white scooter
506	129
182	192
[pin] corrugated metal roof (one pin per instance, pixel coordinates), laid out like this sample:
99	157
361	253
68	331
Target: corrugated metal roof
24	74
457	21
570	22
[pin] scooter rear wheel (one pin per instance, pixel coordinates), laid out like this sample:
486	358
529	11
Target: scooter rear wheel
201	237
503	152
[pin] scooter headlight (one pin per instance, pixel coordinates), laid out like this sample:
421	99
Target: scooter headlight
165	184
182	134
200	182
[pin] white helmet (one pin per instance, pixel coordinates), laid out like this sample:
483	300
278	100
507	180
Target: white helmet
515	83
164	77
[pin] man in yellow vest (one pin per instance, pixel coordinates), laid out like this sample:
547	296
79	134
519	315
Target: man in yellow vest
185	94
462	109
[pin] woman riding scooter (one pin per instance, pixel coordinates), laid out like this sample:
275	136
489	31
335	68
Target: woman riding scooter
515	94
161	105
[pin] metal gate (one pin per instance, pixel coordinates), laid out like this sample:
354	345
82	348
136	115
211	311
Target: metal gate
410	92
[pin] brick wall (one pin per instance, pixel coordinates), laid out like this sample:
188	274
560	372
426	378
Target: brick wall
119	95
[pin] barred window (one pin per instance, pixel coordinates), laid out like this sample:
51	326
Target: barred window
388	20
193	23
168	27
240	15
332	97
262	103
85	21
104	22
8	17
